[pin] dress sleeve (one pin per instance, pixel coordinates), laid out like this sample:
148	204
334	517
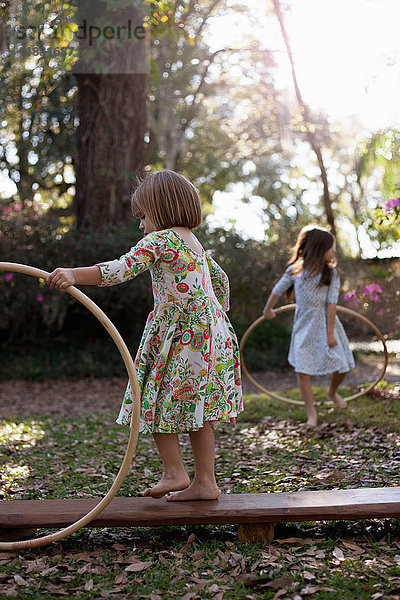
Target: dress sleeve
139	258
284	283
220	282
333	289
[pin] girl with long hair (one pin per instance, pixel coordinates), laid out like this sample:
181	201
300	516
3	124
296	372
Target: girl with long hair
318	345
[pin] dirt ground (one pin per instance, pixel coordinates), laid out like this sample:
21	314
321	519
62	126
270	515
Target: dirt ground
24	398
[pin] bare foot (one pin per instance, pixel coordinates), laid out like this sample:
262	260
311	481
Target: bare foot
168	484
312	420
195	492
338	400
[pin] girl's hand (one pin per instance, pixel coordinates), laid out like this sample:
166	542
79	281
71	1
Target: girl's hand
61	278
269	314
332	341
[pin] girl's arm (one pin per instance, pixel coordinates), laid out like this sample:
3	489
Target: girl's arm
281	286
330	324
220	282
331	301
268	311
139	258
62	278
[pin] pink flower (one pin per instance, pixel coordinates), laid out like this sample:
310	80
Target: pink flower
392	204
372	290
39	298
353	302
9	276
351	297
398	320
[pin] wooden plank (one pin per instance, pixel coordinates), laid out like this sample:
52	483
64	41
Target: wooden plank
229	508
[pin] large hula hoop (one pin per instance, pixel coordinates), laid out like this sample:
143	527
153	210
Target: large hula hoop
134	430
287	307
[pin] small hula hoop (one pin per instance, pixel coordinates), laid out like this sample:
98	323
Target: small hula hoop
287	307
134	430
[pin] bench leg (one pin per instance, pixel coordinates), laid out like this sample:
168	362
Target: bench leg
256	532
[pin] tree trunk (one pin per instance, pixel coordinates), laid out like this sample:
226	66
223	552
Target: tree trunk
110	144
112	88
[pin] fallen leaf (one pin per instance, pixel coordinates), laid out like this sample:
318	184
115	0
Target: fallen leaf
189	596
119	547
280	593
121	578
84	569
188	544
337	553
10	591
309	590
280	582
83	556
19	580
138	566
250	580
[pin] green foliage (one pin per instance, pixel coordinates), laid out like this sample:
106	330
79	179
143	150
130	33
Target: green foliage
215	131
42	241
37	103
383	152
56	321
378	175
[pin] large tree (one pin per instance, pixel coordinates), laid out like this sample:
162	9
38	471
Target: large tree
111	106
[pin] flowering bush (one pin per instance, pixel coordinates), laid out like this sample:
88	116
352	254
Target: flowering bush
392	208
369	292
373	293
29	308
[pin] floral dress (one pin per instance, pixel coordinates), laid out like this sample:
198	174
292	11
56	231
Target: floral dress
309	352
188	358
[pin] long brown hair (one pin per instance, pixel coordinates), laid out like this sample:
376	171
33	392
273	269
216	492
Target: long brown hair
168	199
308	255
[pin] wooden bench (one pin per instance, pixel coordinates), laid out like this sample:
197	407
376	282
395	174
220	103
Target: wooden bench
249	511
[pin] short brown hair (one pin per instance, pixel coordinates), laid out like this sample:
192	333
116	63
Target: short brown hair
168	199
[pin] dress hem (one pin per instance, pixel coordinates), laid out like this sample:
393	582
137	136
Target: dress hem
215	424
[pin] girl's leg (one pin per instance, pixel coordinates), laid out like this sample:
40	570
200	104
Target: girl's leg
304	382
175	476
336	380
203	486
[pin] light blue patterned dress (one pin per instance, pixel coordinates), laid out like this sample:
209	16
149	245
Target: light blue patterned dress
309	352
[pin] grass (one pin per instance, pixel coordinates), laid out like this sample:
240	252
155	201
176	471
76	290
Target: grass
269	450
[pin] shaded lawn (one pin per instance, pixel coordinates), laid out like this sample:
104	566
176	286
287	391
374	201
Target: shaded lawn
268	450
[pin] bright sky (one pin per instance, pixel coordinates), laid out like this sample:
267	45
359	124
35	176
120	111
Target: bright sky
344	52
347	60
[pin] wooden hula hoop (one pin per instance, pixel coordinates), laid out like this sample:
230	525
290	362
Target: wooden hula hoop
134	430
287	307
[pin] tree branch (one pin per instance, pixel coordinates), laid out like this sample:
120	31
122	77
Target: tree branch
307	122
